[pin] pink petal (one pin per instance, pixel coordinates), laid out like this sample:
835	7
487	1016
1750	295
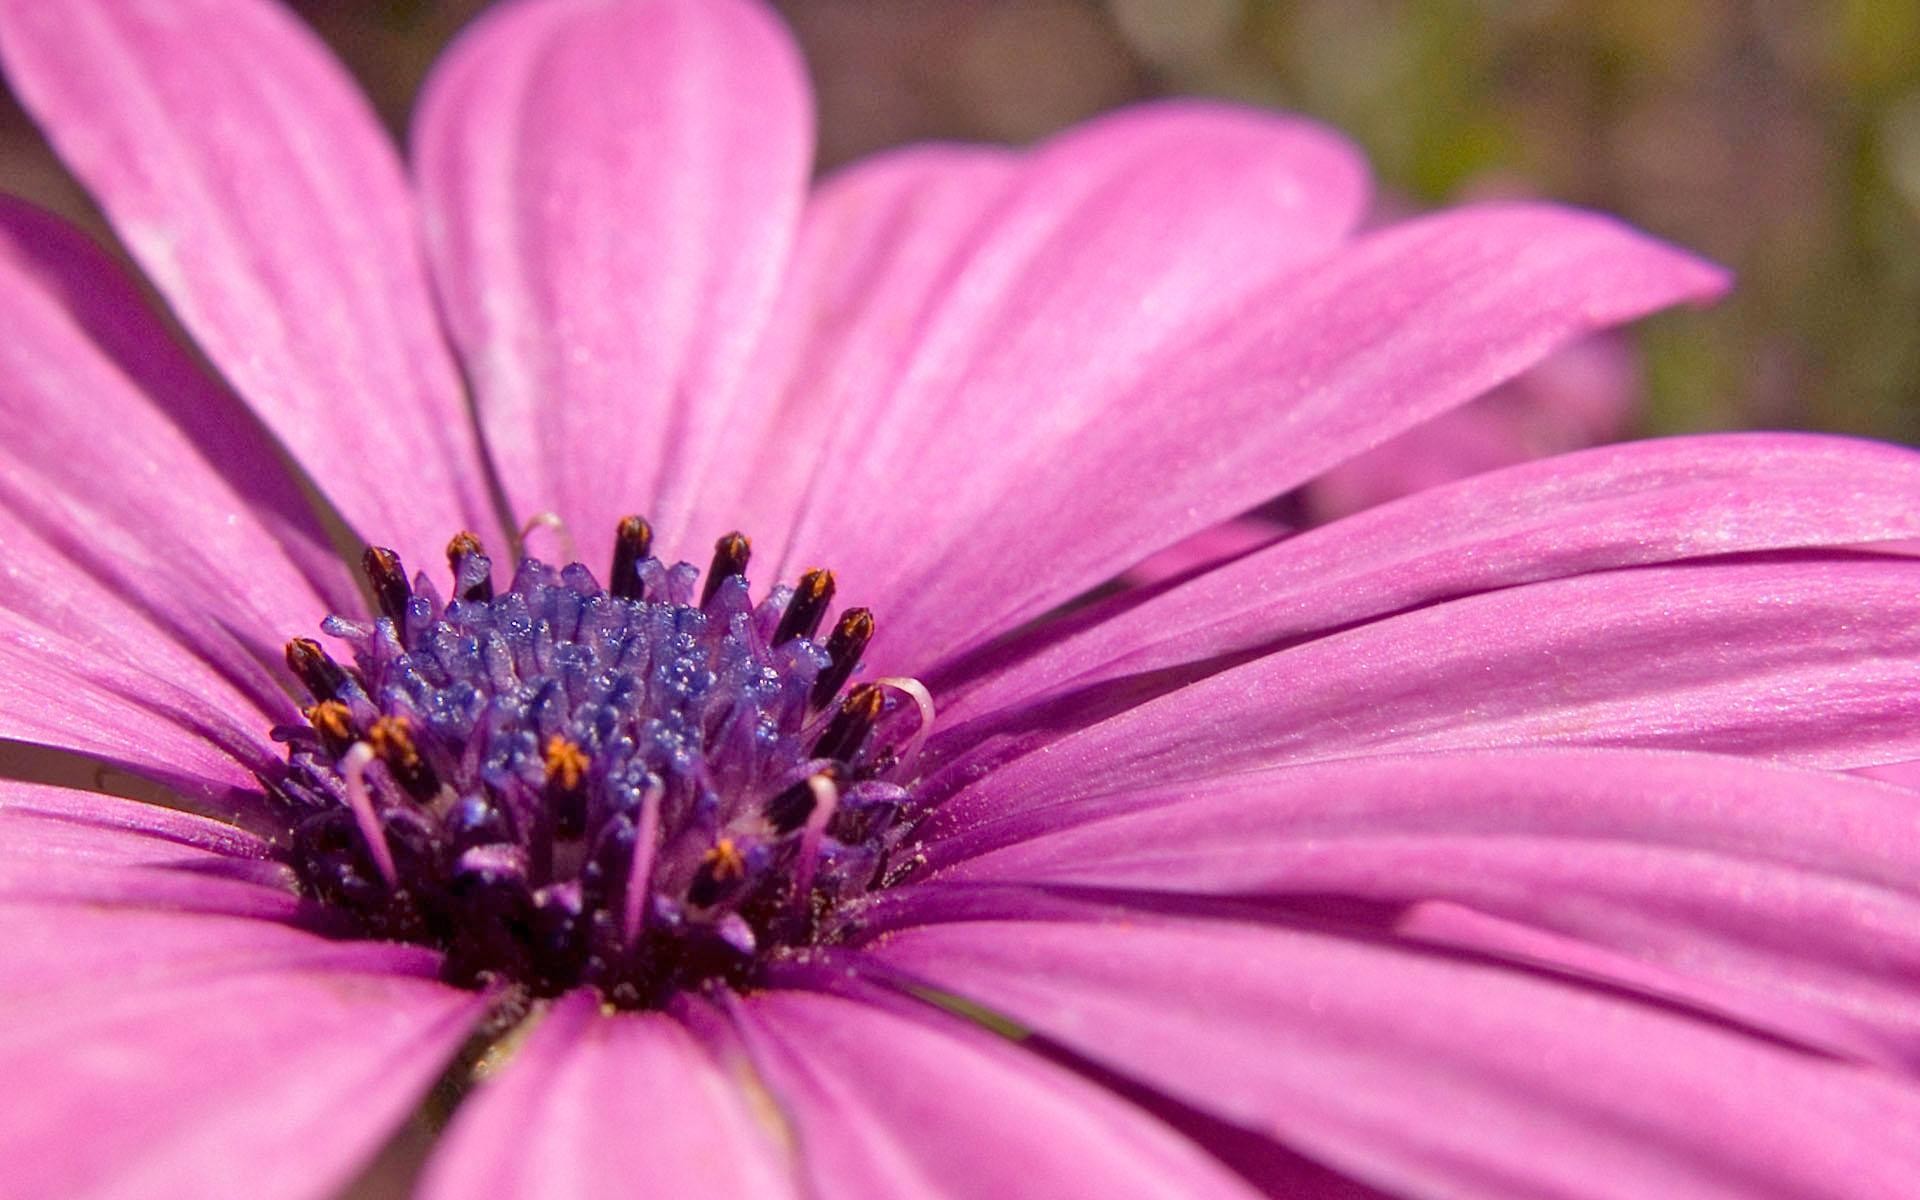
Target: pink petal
1430	1075
59	846
1643	502
1785	896
274	1081
155	490
1330	360
594	1105
1052	302
610	194
876	247
1584	395
111	816
227	500
1811	662
897	1107
252	182
112	686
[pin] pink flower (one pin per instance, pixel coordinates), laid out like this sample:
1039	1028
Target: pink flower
1390	858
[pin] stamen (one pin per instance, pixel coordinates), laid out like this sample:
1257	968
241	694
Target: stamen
333	721
633	913
730	556
566	766
390	589
392	740
720	866
316	671
923	700
472	569
844	647
807	608
547	742
632	542
353	770
848	729
789	810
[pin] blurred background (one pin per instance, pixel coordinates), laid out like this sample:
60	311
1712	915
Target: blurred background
1780	138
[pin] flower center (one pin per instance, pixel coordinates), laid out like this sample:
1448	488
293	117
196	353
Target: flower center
636	788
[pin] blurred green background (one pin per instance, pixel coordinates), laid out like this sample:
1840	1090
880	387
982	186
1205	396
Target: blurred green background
1782	139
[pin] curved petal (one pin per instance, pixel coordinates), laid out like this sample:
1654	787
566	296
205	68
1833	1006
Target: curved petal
1617	506
1773	895
93	815
1811	662
1113	243
1330	360
105	858
1433	1075
268	1081
610	191
876	246
250	179
193	465
155	489
897	1107
111	685
592	1103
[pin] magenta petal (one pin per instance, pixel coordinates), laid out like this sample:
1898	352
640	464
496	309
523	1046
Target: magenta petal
270	1082
162	829
1052	302
1644	502
153	708
887	1106
1429	1075
596	1105
1330	360
1775	895
251	180
610	194
59	846
156	497
1811	662
877	245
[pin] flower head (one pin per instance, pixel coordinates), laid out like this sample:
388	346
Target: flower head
861	854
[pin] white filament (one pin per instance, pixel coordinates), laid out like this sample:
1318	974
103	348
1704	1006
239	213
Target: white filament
569	552
354	770
633	913
826	798
916	691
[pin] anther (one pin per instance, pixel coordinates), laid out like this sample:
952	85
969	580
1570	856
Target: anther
566	766
566	763
789	809
632	541
392	741
847	731
730	555
472	569
333	722
808	606
389	580
719	867
316	671
844	647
